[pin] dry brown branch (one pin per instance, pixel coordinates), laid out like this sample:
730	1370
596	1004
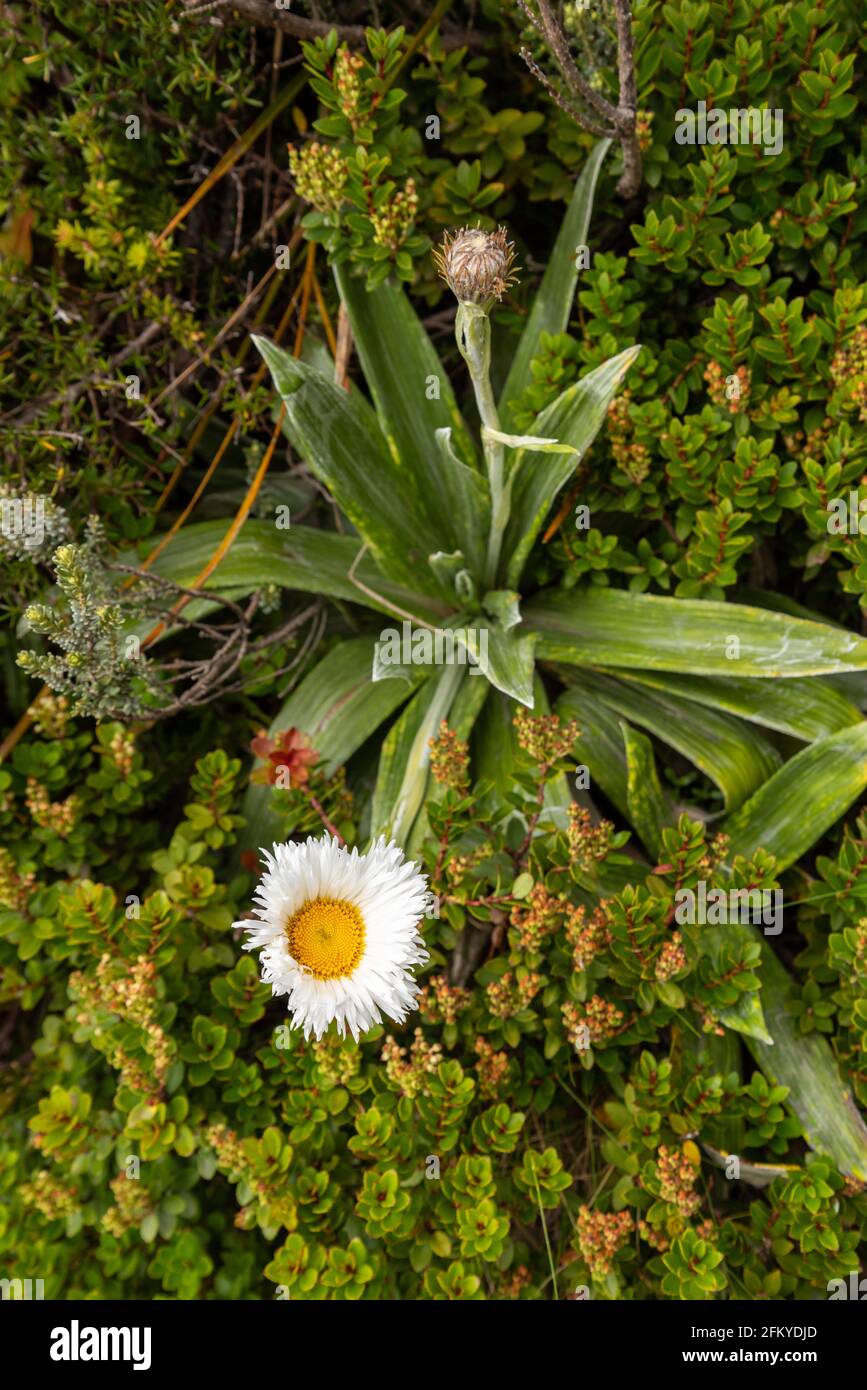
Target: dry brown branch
619	120
266	14
344	347
201	680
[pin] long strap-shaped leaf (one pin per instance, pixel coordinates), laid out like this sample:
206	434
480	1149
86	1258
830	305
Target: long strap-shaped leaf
506	658
553	302
789	813
786	817
315	562
806	708
610	627
404	761
465	710
805	1063
600	747
833	771
337	706
495	750
337	434
731	754
650	809
463	501
575	418
414	399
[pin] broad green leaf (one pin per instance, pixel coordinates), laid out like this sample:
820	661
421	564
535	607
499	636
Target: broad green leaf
797	805
385	669
747	1017
609	627
337	434
414	400
806	708
600	747
786	817
780	603
473	642
506	658
650	810
404	761
302	558
465	711
852	685
496	750
504	605
574	419
398	360
553	303
465	501
733	755
804	1062
337	706
447	566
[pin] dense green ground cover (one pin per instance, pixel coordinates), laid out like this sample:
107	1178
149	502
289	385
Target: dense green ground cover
565	1109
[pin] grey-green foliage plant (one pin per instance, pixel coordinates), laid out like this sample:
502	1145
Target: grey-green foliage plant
442	541
99	669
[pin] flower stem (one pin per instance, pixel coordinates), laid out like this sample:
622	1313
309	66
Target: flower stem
320	811
473	334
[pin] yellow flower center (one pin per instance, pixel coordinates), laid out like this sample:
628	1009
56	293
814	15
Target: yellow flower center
327	936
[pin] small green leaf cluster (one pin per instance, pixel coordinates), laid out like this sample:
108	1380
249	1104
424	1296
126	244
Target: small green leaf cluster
568	1088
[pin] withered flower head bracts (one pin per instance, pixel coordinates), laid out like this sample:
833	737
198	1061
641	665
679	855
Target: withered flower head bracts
476	265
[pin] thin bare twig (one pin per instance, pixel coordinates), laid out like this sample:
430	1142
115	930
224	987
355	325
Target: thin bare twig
266	14
620	119
68	397
214	676
563	101
380	598
206	357
556	41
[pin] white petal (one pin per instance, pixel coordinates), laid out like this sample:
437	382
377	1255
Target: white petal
391	895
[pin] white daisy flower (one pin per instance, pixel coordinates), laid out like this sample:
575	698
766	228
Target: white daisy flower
338	932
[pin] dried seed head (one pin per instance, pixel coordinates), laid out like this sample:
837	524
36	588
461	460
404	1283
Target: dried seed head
476	265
